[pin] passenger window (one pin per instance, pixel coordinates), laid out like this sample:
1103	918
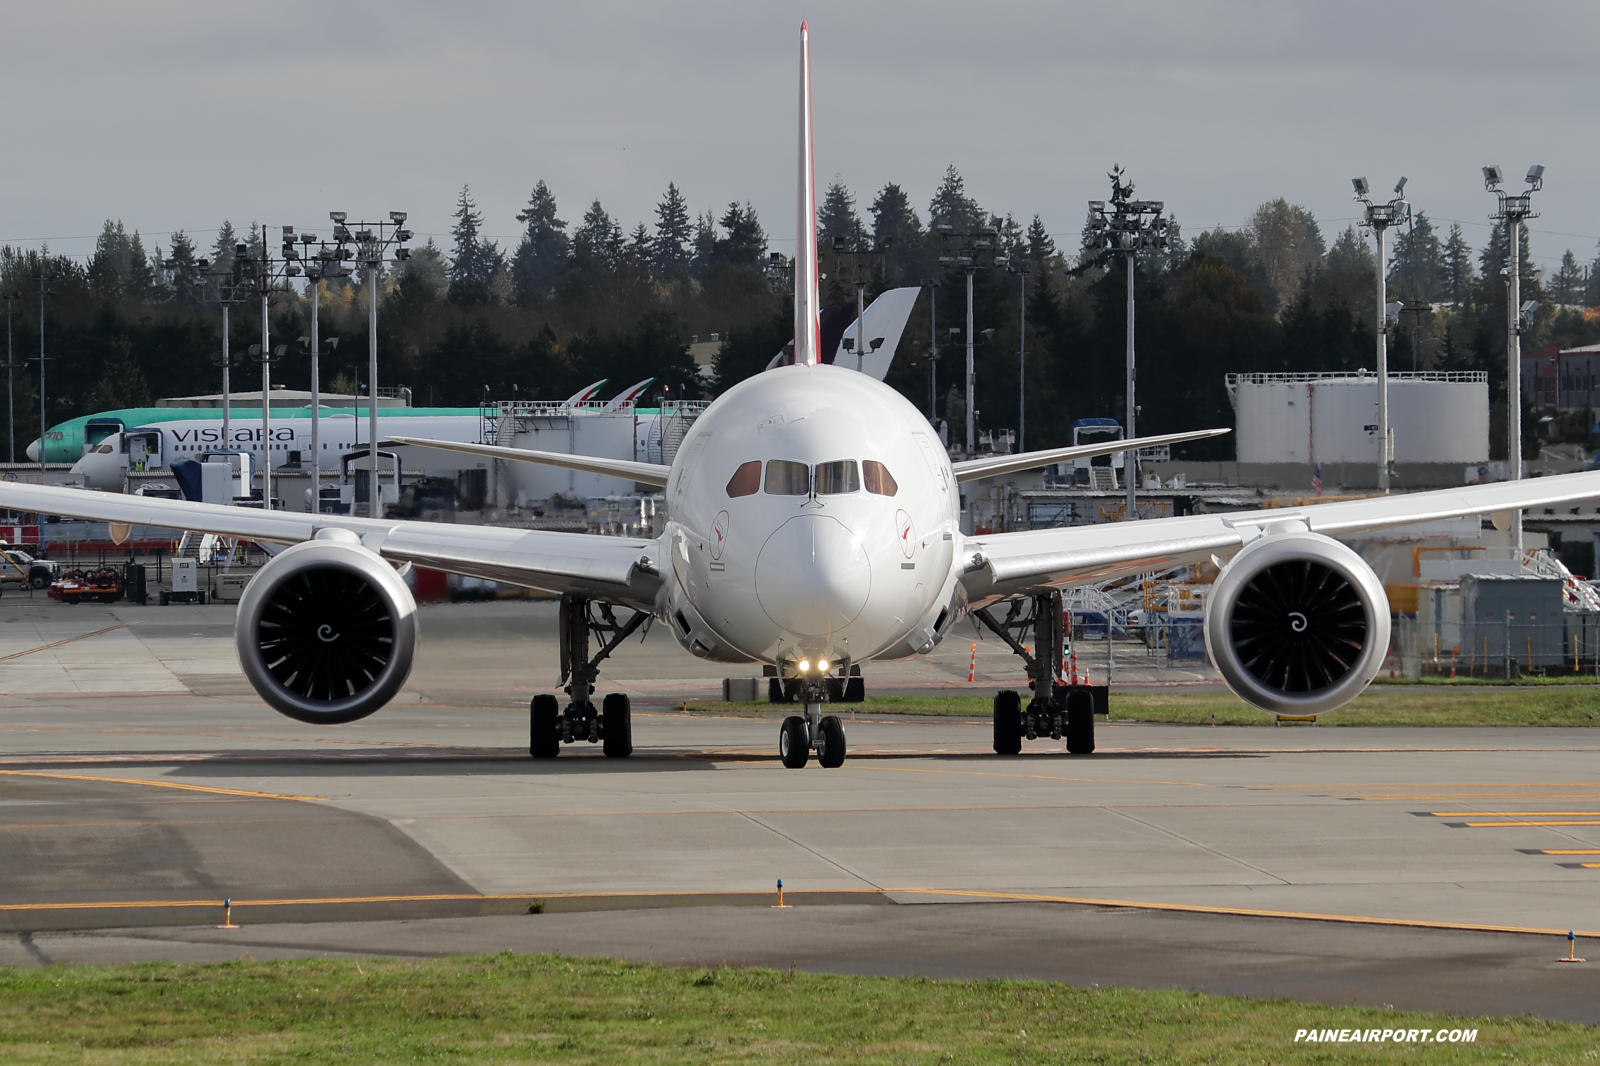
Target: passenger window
837	477
877	477
787	478
746	480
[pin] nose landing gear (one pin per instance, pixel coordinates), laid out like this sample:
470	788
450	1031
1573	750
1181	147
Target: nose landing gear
824	733
611	724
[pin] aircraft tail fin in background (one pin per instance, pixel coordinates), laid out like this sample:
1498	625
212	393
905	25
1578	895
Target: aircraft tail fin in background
584	395
628	395
807	332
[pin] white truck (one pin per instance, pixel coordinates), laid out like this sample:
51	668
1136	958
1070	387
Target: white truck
18	567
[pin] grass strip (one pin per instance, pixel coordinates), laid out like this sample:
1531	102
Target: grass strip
1380	705
548	1008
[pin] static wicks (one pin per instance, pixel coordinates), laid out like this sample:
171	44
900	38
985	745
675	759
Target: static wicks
807	331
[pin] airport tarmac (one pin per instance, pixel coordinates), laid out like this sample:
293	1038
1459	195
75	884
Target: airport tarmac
141	781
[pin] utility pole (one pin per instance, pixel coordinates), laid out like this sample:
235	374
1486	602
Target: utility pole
1130	227
43	277
1512	210
1378	218
322	263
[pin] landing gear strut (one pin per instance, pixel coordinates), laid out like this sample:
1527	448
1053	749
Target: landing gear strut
1055	709
815	731
610	725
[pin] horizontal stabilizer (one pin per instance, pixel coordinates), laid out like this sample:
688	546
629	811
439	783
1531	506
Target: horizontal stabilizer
995	465
644	473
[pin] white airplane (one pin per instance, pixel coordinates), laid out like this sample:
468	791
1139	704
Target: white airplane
812	526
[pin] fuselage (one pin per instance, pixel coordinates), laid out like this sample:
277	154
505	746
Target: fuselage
156	444
811	514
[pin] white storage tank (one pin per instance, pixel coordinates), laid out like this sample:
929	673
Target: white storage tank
1437	417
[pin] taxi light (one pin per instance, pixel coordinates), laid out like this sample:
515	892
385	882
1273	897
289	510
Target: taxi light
803	665
822	666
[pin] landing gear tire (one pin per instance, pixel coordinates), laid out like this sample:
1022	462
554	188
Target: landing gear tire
793	744
1080	722
855	690
544	742
1007	723
616	726
830	742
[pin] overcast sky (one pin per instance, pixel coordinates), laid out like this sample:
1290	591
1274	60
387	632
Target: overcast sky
176	115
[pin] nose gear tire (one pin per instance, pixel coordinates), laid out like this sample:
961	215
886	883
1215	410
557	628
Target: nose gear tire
1080	722
830	751
616	726
793	744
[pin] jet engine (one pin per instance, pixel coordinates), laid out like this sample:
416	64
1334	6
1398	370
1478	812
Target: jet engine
1297	624
327	631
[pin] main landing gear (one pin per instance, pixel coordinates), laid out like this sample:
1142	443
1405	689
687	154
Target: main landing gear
814	731
610	726
1056	710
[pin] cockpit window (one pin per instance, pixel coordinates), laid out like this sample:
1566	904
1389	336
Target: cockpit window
837	477
746	480
879	482
787	478
104	449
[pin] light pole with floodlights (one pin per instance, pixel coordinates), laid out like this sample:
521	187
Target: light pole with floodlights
1512	210
371	240
1378	218
1130	227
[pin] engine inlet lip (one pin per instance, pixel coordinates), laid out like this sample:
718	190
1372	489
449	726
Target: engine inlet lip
371	568
1297	547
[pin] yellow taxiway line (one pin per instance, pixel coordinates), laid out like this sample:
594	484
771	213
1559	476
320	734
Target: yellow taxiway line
159	784
1014	897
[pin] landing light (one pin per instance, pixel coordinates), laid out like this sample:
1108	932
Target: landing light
822	666
803	665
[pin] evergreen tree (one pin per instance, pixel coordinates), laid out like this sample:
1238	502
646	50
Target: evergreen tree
1459	274
1417	270
222	252
837	217
1567	283
542	256
894	220
186	289
952	206
1591	291
1041	247
598	239
1351	254
427	265
475	259
705	243
743	242
674	233
1492	260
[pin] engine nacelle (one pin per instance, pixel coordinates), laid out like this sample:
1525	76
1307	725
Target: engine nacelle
327	632
1297	624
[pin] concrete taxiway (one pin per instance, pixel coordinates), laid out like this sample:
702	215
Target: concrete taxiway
141	782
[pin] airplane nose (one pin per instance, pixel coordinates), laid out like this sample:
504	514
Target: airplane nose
33	452
813	576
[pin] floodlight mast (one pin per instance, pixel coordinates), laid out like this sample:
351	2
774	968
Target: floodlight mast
1379	217
1512	210
1130	227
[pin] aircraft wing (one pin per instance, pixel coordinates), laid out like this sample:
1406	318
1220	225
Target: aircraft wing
995	465
1010	564
627	469
617	569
